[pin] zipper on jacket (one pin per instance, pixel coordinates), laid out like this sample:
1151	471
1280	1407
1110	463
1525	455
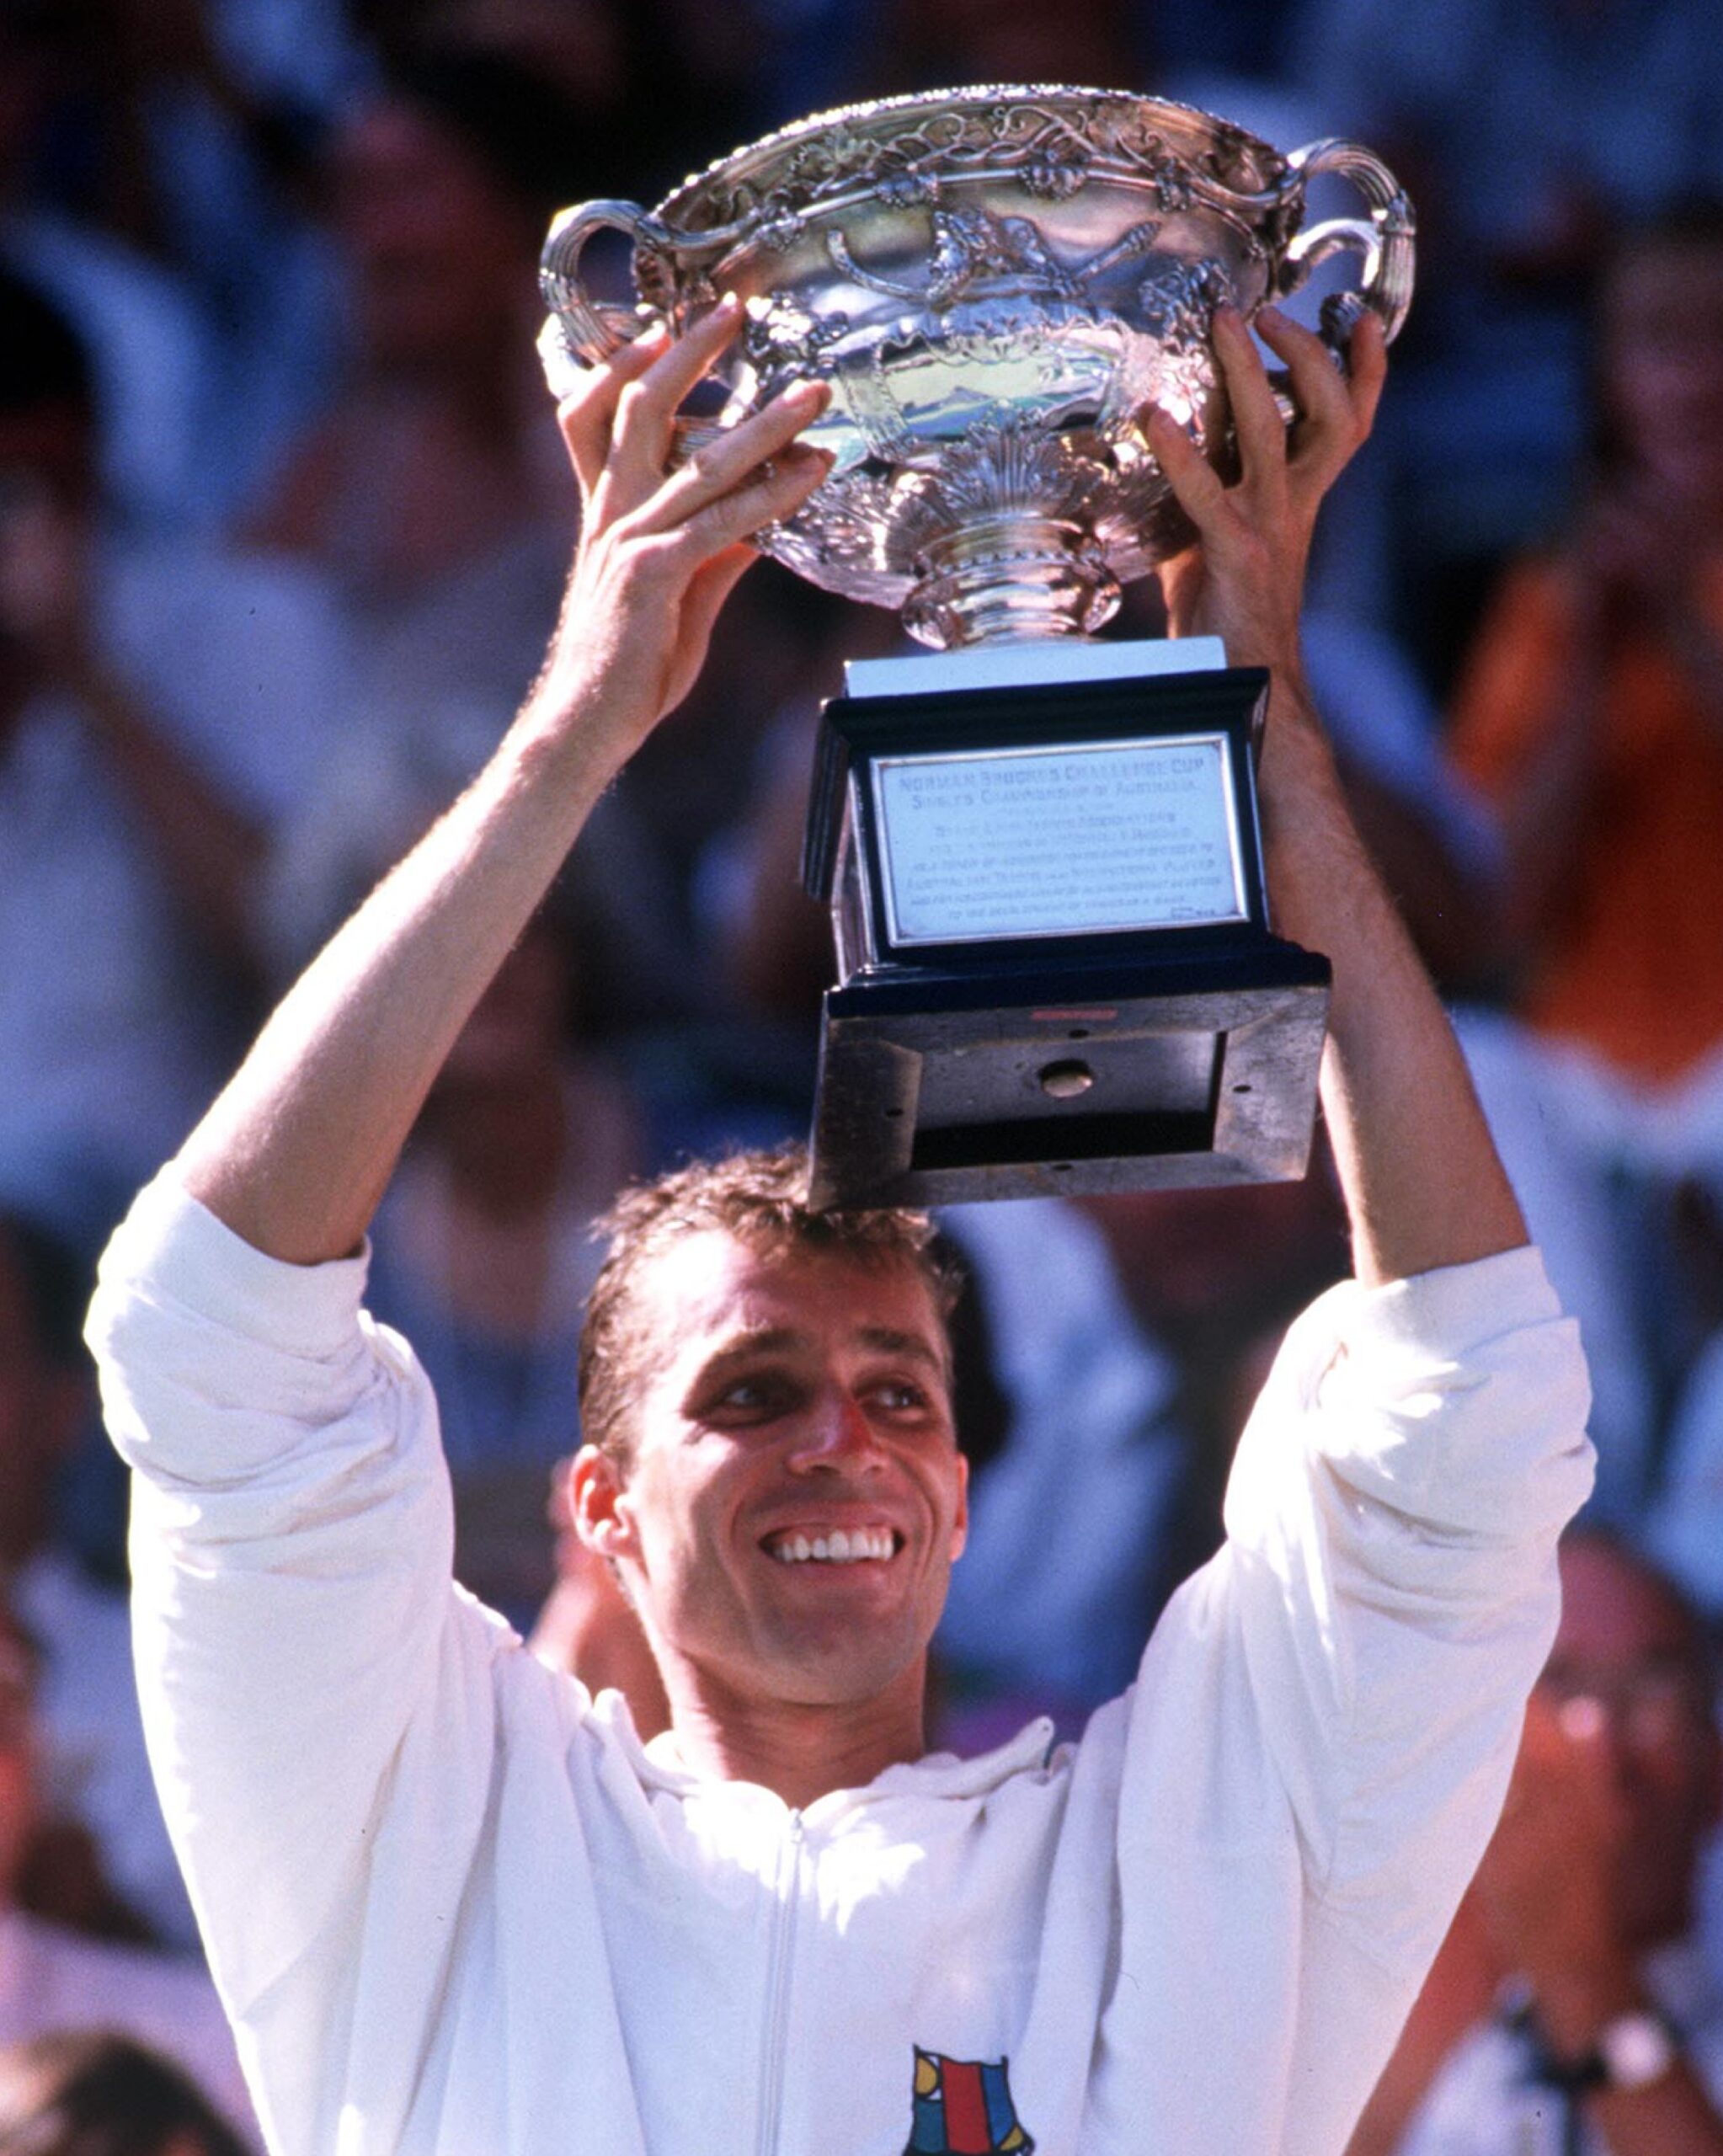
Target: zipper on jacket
780	1959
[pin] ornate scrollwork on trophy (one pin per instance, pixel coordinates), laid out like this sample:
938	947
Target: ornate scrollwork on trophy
993	281
1032	134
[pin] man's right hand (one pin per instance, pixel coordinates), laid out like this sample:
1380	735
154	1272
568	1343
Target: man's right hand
661	548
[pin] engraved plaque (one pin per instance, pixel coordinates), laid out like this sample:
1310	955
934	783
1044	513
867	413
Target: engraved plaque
1072	839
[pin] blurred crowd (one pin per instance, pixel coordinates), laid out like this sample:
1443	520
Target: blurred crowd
284	519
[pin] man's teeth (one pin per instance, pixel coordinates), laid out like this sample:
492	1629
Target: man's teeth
863	1544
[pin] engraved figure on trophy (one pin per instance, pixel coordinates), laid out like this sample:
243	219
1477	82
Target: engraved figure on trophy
1056	967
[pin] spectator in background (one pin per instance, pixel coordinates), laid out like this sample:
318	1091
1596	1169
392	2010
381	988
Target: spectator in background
160	705
184	130
51	1979
431	490
1570	2011
102	2094
97	1777
1526	131
1591	708
483	1252
432	496
147	348
1590	712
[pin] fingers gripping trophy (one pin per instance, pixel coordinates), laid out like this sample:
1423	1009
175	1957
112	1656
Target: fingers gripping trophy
1040	849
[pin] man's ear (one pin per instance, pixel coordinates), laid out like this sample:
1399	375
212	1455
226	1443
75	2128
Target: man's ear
960	1529
596	1484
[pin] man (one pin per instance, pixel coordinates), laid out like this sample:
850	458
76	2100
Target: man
1572	2008
454	1905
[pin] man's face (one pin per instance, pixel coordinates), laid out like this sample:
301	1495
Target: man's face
791	1402
1626	1644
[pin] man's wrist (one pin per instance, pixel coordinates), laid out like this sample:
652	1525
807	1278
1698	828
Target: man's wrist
575	729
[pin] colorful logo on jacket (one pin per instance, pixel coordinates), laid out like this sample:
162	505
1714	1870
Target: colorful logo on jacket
962	2107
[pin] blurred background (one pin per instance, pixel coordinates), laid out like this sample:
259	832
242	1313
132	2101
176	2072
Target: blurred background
284	520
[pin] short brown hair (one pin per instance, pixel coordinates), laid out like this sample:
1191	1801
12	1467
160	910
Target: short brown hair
759	1198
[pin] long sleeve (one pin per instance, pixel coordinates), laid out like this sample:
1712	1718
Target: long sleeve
319	1698
1392	1522
1315	1755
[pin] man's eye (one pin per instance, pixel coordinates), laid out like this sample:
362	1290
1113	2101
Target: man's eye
752	1396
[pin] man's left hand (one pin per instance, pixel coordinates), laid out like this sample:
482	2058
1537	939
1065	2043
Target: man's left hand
1243	580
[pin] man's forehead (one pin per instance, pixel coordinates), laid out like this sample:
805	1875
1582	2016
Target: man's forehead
710	1289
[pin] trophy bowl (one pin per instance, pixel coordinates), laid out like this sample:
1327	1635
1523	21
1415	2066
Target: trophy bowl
994	281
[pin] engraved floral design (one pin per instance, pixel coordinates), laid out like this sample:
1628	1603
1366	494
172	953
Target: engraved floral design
1013	468
1052	175
1176	305
909	191
987	358
971	247
786	335
845	549
1176	301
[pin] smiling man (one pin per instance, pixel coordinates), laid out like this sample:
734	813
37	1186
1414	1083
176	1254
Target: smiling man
776	1471
455	1906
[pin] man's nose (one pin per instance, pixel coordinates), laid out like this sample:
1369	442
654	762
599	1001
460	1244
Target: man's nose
838	1434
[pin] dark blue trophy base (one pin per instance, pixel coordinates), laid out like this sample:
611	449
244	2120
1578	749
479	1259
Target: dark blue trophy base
1008	1065
1145	1073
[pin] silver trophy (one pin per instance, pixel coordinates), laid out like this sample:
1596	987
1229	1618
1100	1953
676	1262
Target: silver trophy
1041	851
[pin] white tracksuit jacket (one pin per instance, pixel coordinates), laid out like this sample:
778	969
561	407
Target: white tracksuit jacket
455	1909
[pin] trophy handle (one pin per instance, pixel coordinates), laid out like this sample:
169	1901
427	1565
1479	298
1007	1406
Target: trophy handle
1383	239
582	332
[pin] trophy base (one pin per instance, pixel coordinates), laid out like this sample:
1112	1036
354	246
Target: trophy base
1146	1073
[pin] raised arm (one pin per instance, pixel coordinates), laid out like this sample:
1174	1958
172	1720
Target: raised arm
1422	1182
297	1150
